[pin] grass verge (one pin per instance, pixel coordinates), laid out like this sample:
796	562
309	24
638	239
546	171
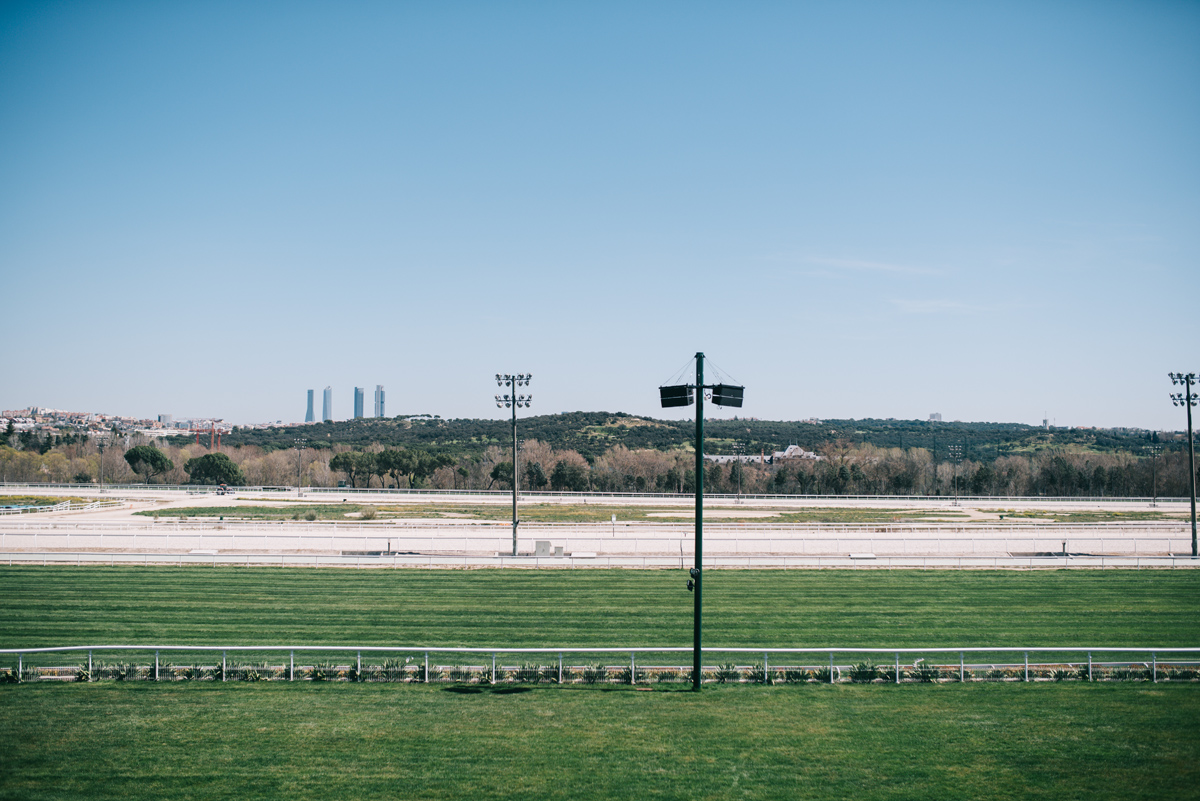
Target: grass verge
387	741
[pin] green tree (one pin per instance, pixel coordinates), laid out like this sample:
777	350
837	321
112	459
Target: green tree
502	473
535	477
356	466
981	482
214	468
567	477
781	479
148	461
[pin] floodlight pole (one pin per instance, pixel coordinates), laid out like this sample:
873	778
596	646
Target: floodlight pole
697	609
301	443
1153	451
681	395
1187	399
956	452
100	446
513	401
514	430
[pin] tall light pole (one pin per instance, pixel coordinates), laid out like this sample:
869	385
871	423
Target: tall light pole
1188	399
956	454
101	440
514	402
301	444
682	395
1153	450
739	448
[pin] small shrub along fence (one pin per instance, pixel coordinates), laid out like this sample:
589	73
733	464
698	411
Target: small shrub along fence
463	666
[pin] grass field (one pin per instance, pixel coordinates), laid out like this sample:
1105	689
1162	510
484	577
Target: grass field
45	606
545	513
1129	740
352	741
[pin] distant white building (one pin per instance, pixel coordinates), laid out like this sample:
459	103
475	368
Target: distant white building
936	417
791	452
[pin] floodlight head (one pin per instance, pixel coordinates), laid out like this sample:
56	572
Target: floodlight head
528	377
679	395
727	395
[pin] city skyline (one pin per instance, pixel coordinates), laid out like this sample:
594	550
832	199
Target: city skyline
855	210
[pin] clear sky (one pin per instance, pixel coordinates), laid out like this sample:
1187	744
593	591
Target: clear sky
856	209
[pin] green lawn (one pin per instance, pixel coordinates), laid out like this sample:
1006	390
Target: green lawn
1126	740
543	512
47	606
347	741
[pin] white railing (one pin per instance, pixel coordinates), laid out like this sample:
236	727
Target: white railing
763	671
64	506
397	560
641	539
550	494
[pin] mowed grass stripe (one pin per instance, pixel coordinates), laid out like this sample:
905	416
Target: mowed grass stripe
594	608
996	741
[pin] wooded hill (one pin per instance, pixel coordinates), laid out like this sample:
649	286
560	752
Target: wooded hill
593	433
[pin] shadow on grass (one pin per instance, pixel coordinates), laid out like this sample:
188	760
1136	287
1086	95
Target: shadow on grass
477	690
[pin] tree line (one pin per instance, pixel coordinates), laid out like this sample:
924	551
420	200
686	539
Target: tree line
846	466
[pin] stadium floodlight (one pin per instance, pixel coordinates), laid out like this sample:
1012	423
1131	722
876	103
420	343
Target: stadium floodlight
727	395
514	402
1188	399
682	395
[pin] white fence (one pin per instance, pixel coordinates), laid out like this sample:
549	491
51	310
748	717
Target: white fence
448	561
65	506
588	496
634	539
929	665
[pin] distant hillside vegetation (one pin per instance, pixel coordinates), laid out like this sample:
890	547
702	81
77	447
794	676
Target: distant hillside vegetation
593	433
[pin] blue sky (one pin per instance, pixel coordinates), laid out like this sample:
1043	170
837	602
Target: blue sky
857	209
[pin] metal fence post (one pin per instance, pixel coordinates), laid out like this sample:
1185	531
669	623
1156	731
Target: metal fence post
1026	666
90	676
292	666
766	668
961	666
897	667
426	667
20	666
632	669
493	667
560	667
360	665
223	669
156	665
1154	668
1089	665
831	666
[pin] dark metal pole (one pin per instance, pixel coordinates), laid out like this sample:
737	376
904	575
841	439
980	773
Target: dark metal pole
1187	398
514	425
696	616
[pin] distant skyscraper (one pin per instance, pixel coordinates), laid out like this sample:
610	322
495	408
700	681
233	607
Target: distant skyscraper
379	400
358	402
308	416
327	405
